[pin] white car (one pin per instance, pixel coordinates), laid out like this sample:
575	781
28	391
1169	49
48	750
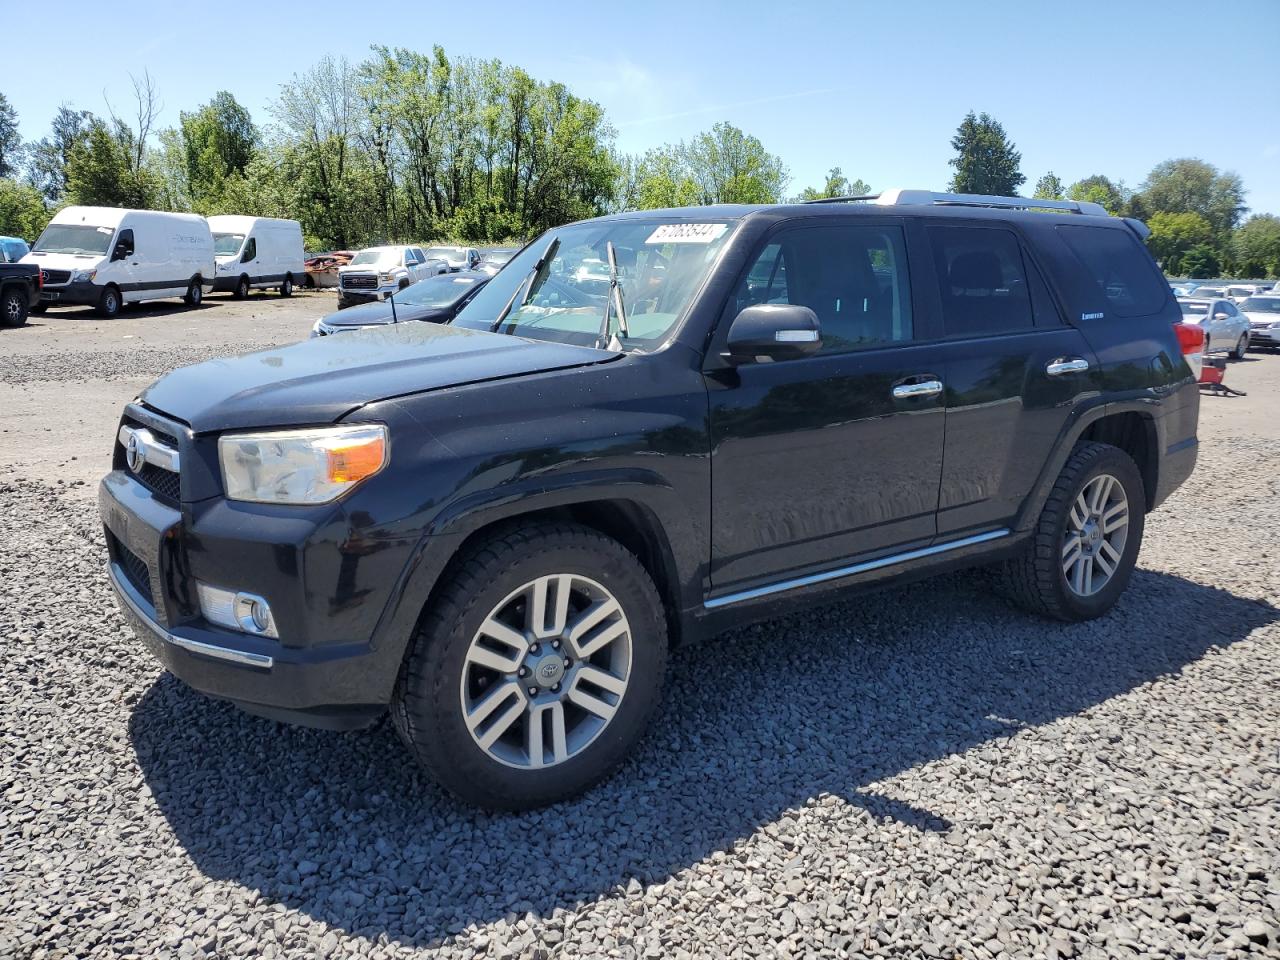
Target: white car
1225	327
1238	292
1263	314
377	272
458	258
1205	292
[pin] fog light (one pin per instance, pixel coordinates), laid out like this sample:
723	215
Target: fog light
246	612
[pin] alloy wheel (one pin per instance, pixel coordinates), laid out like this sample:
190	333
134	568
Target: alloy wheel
546	671
1097	528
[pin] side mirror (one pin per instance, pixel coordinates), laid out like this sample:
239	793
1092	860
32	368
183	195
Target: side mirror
778	331
1220	316
119	253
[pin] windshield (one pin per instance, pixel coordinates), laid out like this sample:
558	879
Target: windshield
661	265
498	256
1194	309
225	244
1261	305
75	238
450	255
442	291
372	256
1208	291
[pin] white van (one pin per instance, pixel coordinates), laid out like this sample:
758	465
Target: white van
105	257
257	252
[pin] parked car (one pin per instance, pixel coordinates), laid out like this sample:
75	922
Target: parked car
1225	327
377	272
1207	292
13	249
491	261
1238	292
19	292
436	300
496	528
256	253
457	258
105	257
322	269
1263	314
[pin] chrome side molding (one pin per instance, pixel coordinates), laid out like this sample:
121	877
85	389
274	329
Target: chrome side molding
784	585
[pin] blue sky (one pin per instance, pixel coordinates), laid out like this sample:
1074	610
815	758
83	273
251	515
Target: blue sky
875	88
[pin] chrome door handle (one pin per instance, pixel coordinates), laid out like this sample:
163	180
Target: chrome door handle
924	388
1065	365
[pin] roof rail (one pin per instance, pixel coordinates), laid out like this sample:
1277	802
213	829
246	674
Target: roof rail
897	197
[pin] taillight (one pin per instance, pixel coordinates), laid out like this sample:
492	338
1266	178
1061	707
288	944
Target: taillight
1191	339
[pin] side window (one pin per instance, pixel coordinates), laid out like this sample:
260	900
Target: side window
1125	272
125	240
982	279
853	277
250	250
1230	308
410	257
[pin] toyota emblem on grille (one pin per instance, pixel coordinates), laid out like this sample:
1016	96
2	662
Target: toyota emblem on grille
44	276
133	454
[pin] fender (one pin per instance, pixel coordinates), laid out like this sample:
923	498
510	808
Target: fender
648	491
1081	420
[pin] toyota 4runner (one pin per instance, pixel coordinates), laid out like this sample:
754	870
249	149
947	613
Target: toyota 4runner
495	529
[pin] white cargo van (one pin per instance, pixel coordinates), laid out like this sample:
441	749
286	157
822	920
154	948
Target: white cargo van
105	257
257	252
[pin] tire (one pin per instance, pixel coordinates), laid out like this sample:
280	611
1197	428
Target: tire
1035	579
194	294
109	303
14	307
440	673
242	288
1241	346
308	282
286	288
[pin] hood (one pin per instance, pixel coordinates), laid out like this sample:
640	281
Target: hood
318	381
379	311
66	261
389	263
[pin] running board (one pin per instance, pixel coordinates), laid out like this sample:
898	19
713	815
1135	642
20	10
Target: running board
838	574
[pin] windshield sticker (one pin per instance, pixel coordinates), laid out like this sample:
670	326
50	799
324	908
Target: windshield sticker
687	232
107	230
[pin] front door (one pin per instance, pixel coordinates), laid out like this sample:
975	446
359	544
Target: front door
836	456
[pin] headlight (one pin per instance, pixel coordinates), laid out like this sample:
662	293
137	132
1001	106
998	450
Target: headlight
301	466
83	276
386	277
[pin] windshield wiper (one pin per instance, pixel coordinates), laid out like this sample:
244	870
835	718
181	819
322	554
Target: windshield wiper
613	303
527	284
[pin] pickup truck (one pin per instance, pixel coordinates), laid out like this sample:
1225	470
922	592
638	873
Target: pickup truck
19	291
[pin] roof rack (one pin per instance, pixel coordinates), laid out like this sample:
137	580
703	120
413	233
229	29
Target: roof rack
896	197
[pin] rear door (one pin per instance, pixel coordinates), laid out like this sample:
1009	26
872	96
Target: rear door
1013	371
820	460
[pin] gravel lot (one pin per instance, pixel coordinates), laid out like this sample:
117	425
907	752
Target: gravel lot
921	772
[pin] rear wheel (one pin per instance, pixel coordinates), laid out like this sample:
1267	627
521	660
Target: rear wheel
109	302
1086	541
1241	346
14	307
286	288
535	668
194	294
242	288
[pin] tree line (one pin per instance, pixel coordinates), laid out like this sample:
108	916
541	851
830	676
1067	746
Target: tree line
423	146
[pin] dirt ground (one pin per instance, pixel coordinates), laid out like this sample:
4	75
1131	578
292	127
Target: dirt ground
66	375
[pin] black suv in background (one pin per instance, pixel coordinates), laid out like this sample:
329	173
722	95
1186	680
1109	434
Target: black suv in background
495	528
20	286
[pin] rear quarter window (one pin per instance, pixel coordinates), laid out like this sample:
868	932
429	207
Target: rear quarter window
1120	266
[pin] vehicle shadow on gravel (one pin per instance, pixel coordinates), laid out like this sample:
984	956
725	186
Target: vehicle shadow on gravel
344	827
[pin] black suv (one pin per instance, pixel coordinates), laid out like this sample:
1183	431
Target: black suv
645	429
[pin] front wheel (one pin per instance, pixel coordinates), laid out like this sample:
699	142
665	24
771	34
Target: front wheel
109	302
1085	544
535	669
242	288
1241	346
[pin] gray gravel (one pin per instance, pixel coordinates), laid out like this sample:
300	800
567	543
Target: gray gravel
923	772
77	366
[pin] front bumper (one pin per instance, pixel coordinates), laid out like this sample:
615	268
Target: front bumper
1264	337
343	685
82	294
364	295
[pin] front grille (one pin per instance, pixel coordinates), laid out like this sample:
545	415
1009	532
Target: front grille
359	281
163	483
54	276
135	570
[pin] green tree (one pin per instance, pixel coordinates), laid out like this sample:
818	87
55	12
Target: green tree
731	166
663	179
10	139
1173	236
218	141
100	169
1049	187
1257	246
1193	186
986	161
1100	189
837	185
1201	261
22	210
47	162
